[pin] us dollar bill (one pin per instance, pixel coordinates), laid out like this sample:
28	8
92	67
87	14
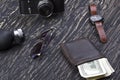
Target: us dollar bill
91	69
107	66
96	69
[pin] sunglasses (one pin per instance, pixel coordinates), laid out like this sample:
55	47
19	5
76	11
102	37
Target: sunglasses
41	46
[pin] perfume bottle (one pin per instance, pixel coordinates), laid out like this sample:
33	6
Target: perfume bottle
8	38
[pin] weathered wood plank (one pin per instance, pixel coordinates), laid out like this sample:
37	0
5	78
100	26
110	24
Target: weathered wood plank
15	64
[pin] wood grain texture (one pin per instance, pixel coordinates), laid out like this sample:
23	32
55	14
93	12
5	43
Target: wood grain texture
15	64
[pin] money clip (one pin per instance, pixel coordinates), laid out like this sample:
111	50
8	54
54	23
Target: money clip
80	51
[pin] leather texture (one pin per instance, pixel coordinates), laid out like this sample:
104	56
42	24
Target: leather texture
93	9
80	51
101	32
99	25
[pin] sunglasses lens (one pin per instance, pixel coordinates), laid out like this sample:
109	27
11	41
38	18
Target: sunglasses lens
36	50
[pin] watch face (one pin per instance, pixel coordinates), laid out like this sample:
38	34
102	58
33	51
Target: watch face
95	18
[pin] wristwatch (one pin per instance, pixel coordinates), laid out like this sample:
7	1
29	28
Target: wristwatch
97	20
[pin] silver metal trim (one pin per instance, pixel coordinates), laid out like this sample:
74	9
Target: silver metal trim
95	18
18	33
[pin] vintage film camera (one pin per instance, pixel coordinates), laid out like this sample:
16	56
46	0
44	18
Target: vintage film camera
43	7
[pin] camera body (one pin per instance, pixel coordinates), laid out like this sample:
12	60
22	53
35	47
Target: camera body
43	7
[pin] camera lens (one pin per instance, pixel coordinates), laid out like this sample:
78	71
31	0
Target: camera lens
45	9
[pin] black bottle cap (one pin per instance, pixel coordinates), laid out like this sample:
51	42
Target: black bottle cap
45	8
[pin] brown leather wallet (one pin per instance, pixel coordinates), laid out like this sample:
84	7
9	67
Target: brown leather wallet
80	51
97	20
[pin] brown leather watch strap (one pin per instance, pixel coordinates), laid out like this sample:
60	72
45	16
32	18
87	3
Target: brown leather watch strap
101	32
98	24
93	9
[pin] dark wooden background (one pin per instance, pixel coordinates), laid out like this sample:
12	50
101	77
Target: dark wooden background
15	63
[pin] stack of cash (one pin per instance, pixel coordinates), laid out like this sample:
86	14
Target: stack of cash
96	69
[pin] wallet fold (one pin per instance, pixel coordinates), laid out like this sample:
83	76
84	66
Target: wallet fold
80	51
